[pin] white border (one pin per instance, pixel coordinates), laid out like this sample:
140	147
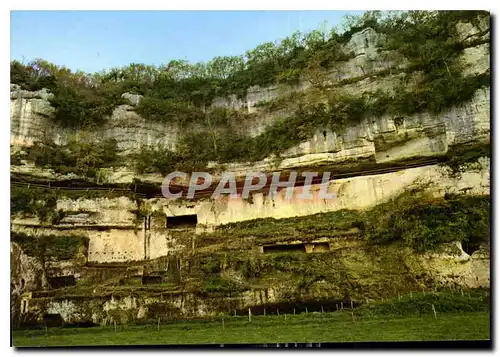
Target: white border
185	5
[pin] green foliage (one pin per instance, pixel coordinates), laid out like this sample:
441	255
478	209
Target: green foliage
421	304
180	92
169	110
459	157
33	76
267	227
80	155
35	202
219	143
148	160
78	99
77	107
210	265
50	246
414	219
422	222
217	284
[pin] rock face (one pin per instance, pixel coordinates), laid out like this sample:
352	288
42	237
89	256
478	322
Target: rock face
364	43
133	243
390	268
386	138
115	237
29	112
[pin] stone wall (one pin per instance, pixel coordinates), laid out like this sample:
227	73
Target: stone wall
115	235
390	266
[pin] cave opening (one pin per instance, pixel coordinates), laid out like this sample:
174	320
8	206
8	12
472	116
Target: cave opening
470	247
151	279
321	247
284	248
57	282
53	320
185	221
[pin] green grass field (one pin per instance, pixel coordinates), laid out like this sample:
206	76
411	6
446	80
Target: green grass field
328	327
401	319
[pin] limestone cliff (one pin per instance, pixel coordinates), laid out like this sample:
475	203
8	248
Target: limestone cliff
113	249
386	138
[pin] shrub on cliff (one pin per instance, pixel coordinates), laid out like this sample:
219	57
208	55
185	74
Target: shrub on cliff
80	155
35	202
50	246
422	222
180	92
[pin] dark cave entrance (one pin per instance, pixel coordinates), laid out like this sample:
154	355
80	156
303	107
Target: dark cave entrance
470	247
151	279
282	248
61	281
189	220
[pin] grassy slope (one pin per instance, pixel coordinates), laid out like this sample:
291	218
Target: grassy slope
407	318
328	327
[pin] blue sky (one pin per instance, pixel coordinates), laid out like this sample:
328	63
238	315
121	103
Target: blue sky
96	40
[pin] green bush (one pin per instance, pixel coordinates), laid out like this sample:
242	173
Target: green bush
32	201
422	222
217	284
459	157
169	110
149	160
50	246
420	303
80	156
180	92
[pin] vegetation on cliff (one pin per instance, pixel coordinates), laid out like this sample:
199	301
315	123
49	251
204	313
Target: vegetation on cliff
51	247
422	222
181	93
30	201
79	155
417	220
377	239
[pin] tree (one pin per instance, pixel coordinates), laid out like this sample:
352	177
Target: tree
178	69
263	52
223	67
